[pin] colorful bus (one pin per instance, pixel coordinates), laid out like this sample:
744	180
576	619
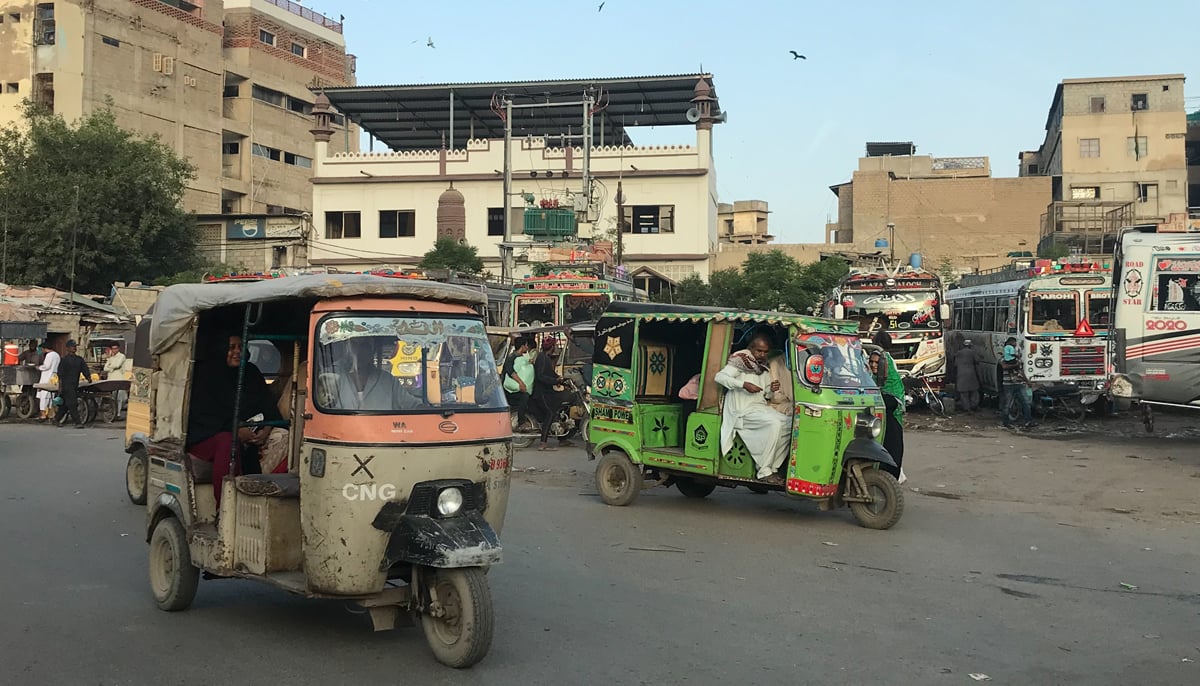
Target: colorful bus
1059	312
566	298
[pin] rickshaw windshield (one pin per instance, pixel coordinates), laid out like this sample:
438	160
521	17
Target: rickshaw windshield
845	360
397	365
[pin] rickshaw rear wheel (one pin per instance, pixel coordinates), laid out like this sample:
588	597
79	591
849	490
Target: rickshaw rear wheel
618	479
136	470
887	501
462	635
27	406
173	577
694	489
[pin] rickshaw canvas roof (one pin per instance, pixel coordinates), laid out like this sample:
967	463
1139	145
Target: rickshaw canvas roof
577	327
177	305
691	313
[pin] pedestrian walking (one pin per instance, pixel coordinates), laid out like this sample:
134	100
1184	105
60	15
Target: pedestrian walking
70	369
48	368
966	376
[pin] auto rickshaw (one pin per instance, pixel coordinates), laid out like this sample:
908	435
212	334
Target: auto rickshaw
644	434
390	497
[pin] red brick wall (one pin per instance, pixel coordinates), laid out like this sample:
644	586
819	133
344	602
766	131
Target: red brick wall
326	59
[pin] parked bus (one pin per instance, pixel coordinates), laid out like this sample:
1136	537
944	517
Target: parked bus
567	298
1156	343
908	304
1058	312
498	295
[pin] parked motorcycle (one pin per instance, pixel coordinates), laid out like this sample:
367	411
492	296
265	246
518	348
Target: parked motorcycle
1055	399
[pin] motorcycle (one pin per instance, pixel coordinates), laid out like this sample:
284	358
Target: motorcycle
1061	399
570	419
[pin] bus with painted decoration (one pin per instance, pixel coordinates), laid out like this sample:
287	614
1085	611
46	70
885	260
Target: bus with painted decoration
566	298
1059	312
908	303
1156	343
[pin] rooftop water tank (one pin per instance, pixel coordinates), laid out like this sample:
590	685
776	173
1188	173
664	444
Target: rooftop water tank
915	260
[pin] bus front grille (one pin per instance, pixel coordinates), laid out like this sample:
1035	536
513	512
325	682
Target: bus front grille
1082	360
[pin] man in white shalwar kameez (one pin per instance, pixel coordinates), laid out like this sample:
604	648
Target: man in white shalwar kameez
748	413
48	368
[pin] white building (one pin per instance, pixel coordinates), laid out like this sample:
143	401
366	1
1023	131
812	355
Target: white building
376	208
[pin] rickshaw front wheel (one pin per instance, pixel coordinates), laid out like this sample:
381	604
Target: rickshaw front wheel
694	489
173	577
618	479
461	633
887	501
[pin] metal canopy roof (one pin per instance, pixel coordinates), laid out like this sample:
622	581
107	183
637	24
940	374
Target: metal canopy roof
416	117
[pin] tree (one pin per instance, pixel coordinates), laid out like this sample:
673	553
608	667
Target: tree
195	275
770	280
946	272
114	193
448	253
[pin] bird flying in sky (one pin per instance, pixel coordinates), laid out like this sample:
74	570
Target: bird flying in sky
430	42
600	7
797	56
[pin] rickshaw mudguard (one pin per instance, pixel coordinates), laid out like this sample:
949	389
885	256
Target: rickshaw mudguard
867	449
462	541
137	440
165	505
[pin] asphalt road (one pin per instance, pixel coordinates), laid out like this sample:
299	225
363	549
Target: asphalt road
737	588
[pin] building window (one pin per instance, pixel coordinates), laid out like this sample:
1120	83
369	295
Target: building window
337	120
1085	192
265	36
110	41
12	88
264	151
272	97
1138	147
231	148
299	50
300	106
297	160
343	225
43	90
1089	147
232	90
1139	101
649	219
1033	169
1097	104
1147	192
43	24
495	222
14	17
397	223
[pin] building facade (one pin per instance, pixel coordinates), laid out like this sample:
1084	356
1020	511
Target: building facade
225	83
1114	151
743	222
373	209
943	208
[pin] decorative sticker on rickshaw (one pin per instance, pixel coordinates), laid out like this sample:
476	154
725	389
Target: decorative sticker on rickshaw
421	332
700	435
611	383
612	413
614	340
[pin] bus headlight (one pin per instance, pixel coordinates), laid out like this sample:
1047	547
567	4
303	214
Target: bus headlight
449	501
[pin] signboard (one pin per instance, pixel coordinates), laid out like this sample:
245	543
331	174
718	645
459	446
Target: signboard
1179	222
254	228
244	229
283	227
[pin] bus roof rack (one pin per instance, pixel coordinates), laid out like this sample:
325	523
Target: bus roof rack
1028	268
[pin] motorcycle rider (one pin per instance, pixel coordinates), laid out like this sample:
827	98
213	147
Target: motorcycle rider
547	394
517	388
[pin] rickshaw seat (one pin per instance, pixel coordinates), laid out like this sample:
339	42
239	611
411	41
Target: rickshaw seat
270	485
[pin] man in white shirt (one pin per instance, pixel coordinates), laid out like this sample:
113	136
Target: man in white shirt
48	368
748	412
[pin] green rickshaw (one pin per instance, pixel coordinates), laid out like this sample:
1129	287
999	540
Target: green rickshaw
645	434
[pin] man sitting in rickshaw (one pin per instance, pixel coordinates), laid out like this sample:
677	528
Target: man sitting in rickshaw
748	412
210	417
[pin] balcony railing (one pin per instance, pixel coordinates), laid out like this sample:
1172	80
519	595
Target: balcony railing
302	11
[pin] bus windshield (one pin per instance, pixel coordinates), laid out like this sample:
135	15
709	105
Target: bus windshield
397	365
584	308
1099	309
1053	311
894	310
845	361
537	310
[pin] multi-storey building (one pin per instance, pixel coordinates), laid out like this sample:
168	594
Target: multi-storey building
1114	152
226	83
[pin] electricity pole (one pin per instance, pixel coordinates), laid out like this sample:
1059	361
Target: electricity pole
74	232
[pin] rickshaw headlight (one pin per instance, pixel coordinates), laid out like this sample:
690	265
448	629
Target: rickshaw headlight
449	501
870	424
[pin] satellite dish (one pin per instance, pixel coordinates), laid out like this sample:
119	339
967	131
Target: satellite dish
693	115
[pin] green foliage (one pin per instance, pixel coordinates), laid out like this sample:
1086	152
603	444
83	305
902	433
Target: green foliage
1054	251
127	223
448	253
946	272
766	281
541	269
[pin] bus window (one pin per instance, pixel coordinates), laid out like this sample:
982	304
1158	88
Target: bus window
584	308
537	310
1099	313
1012	316
1176	290
1052	312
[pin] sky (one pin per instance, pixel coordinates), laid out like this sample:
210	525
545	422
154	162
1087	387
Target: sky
956	78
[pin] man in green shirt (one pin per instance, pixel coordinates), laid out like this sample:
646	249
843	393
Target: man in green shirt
892	387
